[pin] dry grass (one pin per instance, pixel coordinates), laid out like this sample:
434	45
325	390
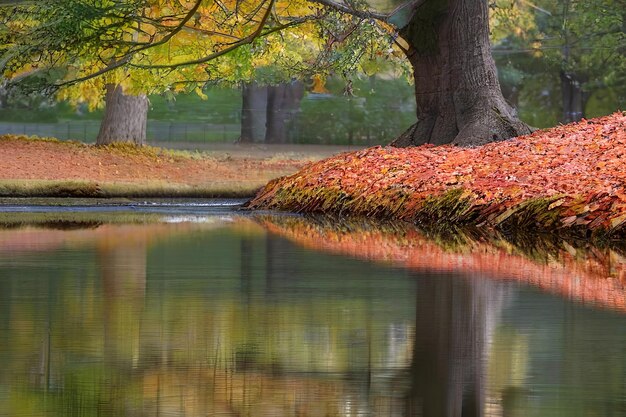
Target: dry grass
47	167
153	189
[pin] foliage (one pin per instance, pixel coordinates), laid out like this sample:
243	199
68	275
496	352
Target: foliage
380	110
542	39
568	178
153	46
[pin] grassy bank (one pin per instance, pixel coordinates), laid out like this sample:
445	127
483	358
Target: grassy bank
147	189
568	179
44	167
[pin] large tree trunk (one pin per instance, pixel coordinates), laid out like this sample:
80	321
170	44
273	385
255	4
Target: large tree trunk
253	112
125	117
456	85
283	104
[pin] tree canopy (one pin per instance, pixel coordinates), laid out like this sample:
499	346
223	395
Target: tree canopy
157	45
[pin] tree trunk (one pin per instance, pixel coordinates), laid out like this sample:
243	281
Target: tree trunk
573	98
283	104
4	95
457	91
253	112
125	117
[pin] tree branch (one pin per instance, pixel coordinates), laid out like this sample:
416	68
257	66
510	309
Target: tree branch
258	33
370	14
128	56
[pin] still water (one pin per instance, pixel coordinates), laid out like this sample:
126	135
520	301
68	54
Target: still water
208	313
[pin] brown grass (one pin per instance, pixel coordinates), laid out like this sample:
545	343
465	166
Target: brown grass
47	167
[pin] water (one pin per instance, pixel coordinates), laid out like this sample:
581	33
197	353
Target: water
136	316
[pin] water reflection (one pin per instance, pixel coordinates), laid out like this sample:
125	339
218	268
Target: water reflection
452	323
226	319
585	273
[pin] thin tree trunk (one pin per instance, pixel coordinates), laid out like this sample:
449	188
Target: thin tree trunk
4	94
253	112
275	131
457	91
125	117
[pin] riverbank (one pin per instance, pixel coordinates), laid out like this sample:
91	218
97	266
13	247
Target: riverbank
569	179
35	167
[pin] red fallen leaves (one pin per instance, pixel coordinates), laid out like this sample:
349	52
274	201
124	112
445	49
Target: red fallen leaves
578	168
591	276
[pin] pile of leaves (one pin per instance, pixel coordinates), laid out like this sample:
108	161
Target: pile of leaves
577	270
570	177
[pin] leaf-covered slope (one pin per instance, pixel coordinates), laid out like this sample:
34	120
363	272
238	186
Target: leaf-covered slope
567	176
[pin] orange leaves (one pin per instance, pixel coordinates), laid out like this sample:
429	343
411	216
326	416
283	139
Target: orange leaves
576	169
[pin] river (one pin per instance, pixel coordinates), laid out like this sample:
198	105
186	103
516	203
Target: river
200	310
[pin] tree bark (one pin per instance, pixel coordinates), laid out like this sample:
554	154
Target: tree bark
457	91
125	117
283	104
253	112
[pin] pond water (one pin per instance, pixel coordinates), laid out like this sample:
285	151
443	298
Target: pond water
205	312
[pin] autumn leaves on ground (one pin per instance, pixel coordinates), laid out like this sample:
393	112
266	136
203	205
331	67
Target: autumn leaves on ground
50	168
569	178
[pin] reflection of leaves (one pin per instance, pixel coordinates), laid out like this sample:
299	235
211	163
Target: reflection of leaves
568	178
572	268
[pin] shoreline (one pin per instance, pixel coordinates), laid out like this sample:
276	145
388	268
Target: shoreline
93	190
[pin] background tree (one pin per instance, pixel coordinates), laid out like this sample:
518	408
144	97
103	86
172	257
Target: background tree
155	46
560	55
147	46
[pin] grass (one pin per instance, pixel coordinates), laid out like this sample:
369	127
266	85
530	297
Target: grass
75	220
154	189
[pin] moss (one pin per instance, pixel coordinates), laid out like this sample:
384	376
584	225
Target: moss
452	207
531	214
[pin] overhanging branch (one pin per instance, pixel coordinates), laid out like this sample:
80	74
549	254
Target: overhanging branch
127	58
371	14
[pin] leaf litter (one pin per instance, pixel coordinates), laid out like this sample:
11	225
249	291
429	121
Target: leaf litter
567	177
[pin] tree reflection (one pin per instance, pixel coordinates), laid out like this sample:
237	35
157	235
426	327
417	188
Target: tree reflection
123	274
240	322
449	351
